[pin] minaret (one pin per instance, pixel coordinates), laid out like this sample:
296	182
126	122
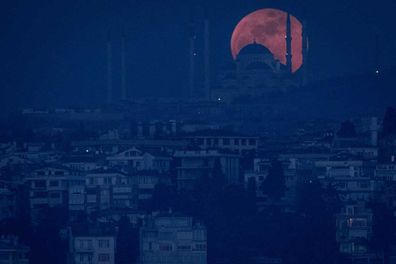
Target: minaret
305	51
206	56
192	56
377	55
123	70
288	44
109	92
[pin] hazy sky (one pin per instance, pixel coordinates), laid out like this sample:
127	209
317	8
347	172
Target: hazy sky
54	52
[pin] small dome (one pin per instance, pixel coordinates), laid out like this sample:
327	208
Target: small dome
254	48
229	67
258	66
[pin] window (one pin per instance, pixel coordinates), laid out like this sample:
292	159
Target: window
350	210
236	141
199	235
226	141
165	235
85	244
357	222
40	194
252	142
104	243
200	247
184	247
364	185
107	180
103	257
165	247
4	256
40	184
54	183
55	195
89	244
59	172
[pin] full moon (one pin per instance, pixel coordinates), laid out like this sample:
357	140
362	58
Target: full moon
268	28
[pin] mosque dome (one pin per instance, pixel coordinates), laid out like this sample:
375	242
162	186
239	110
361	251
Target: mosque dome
254	48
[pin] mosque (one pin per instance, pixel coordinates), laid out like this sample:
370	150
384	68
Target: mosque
255	72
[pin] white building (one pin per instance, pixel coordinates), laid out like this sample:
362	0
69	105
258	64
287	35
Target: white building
13	252
355	183
146	182
81	163
354	228
106	189
8	205
14	160
386	172
49	187
238	143
172	240
193	164
135	159
95	245
353	179
258	175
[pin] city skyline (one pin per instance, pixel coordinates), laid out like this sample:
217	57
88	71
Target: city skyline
61	52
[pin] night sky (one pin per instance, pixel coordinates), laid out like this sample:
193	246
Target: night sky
53	53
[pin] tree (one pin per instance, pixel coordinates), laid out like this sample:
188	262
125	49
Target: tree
317	206
389	123
252	187
164	198
384	230
127	242
347	130
274	184
46	245
217	176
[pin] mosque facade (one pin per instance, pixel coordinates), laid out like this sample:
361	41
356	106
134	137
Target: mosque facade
256	72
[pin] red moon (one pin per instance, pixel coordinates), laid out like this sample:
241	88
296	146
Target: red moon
268	28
